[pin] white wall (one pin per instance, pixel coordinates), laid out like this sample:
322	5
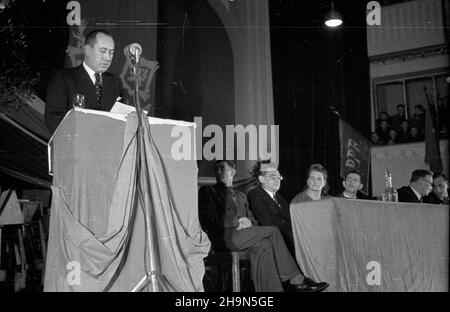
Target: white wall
401	159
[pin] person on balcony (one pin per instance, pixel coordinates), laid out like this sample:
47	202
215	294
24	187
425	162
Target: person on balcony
398	118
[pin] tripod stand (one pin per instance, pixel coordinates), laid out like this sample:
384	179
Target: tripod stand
152	277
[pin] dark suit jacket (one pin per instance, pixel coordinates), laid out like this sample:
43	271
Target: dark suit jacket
67	82
433	199
407	195
268	212
219	214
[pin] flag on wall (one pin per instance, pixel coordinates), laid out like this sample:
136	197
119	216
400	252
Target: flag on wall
432	150
355	153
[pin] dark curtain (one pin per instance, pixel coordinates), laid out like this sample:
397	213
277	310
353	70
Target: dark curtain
317	73
196	77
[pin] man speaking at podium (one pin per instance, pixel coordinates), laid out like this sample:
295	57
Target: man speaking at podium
100	88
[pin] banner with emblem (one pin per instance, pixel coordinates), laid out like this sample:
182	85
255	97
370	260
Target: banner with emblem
355	153
128	21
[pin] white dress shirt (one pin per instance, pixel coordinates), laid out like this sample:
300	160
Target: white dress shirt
272	194
346	195
90	72
417	193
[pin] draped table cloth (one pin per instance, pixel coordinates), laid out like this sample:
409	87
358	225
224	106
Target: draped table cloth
370	246
97	238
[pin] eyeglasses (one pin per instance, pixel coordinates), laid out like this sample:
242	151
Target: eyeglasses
429	182
274	177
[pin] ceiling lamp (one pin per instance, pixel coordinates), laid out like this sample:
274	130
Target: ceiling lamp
333	18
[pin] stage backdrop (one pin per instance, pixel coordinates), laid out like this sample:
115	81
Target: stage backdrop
97	236
128	22
370	246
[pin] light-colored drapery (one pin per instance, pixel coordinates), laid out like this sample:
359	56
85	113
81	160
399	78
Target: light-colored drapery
97	222
369	246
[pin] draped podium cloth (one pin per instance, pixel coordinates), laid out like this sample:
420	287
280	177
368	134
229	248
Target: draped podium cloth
97	222
339	241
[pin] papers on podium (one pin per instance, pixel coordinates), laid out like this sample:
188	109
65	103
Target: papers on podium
120	108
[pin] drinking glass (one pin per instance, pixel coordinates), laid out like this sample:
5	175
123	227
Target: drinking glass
79	101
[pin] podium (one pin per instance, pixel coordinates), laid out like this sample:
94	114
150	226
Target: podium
97	235
370	246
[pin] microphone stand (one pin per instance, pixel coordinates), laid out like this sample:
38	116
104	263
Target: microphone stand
152	275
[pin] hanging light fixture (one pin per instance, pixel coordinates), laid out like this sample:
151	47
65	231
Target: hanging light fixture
333	18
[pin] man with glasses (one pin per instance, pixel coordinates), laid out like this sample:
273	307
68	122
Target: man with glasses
420	185
268	207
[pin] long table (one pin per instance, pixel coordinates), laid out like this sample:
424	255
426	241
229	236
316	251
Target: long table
370	246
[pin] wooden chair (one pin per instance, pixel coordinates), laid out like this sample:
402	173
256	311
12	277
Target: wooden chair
223	263
33	213
237	256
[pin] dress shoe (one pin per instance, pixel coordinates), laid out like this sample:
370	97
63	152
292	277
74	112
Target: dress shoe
308	285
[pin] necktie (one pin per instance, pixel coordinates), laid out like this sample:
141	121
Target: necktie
98	88
275	199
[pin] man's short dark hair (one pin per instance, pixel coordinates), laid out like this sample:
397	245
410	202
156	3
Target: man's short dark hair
91	37
255	171
352	171
218	162
419	174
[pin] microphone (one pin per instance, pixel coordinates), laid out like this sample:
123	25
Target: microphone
133	51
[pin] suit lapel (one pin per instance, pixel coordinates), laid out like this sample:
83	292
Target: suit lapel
228	202
284	207
86	87
279	208
110	93
413	195
268	198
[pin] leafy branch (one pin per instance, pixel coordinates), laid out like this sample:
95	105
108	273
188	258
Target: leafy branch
17	79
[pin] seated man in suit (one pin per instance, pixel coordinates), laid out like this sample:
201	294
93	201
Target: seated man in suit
352	186
270	208
419	186
100	88
439	196
224	211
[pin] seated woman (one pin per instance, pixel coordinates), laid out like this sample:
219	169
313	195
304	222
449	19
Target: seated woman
316	185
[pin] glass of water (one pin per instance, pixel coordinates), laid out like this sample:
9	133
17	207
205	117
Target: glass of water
79	101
